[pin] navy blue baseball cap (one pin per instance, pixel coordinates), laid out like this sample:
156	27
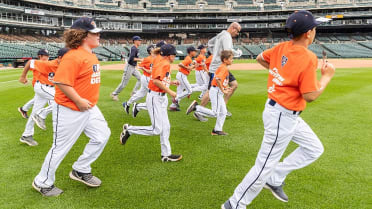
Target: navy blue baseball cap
160	44
300	22
136	38
62	52
43	52
201	47
87	24
168	49
191	49
150	47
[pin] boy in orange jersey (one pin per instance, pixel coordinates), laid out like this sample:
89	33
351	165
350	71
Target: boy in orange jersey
292	81
155	63
184	89
200	75
44	93
78	81
146	67
43	55
157	103
218	89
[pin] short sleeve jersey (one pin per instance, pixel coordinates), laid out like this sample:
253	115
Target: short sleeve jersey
80	70
292	73
208	61
162	73
186	62
200	60
45	69
222	73
147	64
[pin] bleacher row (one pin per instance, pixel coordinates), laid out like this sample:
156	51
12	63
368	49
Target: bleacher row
118	52
212	5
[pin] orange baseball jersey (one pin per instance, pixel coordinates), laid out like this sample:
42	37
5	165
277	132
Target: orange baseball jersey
292	73
46	70
80	70
186	62
200	60
223	74
147	64
208	61
162	72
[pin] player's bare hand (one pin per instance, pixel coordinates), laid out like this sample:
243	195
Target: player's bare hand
328	70
227	90
84	104
175	83
173	94
23	80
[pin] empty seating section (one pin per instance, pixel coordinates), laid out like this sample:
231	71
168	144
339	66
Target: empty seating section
350	50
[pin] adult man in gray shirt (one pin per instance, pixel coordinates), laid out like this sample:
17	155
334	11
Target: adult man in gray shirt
222	41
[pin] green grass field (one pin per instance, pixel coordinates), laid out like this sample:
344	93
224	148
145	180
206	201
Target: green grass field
134	177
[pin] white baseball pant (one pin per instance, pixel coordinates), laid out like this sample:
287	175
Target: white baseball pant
201	82
185	88
281	126
43	95
218	108
142	92
28	105
68	125
129	71
157	108
44	112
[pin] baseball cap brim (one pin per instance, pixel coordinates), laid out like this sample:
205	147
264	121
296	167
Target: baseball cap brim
95	30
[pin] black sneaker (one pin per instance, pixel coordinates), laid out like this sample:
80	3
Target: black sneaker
124	136
48	191
277	191
192	107
85	178
218	133
23	113
174	109
126	107
171	158
134	110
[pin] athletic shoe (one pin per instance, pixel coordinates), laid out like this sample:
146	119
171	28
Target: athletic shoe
48	191
114	97
218	133
174	101
200	117
124	136
192	107
86	178
226	205
228	114
174	109
171	158
134	110
39	121
126	107
28	140
277	191
23	113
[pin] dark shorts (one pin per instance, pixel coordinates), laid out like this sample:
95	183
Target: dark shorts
231	77
211	76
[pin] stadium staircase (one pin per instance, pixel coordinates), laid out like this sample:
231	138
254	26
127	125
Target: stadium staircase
330	50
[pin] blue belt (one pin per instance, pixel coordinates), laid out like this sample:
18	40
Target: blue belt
160	93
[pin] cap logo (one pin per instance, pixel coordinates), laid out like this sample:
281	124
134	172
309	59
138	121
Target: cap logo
94	24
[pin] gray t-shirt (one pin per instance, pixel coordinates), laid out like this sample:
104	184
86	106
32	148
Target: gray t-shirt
222	41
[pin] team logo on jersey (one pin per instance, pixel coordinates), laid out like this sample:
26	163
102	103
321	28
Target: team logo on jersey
51	76
96	75
284	60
